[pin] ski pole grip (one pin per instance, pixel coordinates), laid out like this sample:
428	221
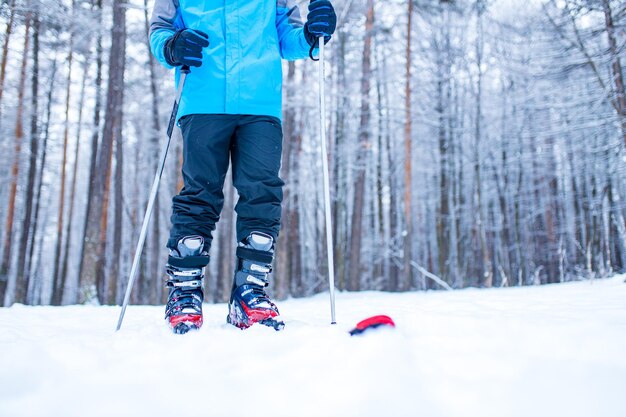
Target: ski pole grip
185	68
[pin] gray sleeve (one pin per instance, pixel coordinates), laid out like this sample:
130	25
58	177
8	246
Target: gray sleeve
288	10
166	15
165	21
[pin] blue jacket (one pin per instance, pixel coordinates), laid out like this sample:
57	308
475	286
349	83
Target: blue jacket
241	70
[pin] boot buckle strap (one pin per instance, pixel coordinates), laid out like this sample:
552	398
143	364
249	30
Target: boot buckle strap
184	273
256	280
254	255
185	284
260	268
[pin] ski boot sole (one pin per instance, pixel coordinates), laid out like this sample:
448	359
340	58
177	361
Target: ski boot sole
182	328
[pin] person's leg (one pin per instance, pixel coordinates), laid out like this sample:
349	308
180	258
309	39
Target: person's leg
256	156
206	146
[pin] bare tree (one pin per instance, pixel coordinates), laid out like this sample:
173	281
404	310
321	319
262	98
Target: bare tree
22	280
58	280
19	136
408	133
89	233
72	196
364	138
93	283
5	47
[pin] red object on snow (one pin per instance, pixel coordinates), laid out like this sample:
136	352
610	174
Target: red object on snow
371	323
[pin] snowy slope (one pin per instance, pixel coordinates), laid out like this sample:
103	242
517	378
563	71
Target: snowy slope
552	351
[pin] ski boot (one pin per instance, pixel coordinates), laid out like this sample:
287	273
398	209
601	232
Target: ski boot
185	267
249	304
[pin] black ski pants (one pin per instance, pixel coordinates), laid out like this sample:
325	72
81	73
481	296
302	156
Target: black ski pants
253	144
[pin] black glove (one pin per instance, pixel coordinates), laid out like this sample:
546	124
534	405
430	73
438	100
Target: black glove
321	21
185	48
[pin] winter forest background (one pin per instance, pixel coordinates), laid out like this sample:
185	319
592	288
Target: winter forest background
472	143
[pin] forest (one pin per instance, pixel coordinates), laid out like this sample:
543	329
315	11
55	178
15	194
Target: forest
471	143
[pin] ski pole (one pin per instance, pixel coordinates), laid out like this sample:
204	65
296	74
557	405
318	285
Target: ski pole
153	193
329	227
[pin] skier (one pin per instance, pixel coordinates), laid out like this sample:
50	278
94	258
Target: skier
230	109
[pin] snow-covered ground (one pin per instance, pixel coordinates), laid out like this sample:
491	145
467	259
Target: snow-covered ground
554	351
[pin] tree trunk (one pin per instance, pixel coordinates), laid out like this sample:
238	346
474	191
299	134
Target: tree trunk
224	279
487	277
19	136
295	235
364	138
616	67
5	47
22	281
283	258
443	215
115	117
339	208
84	285
93	276
155	238
58	281
408	232
117	225
40	175
380	217
68	230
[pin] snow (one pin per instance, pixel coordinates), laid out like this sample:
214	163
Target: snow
557	350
